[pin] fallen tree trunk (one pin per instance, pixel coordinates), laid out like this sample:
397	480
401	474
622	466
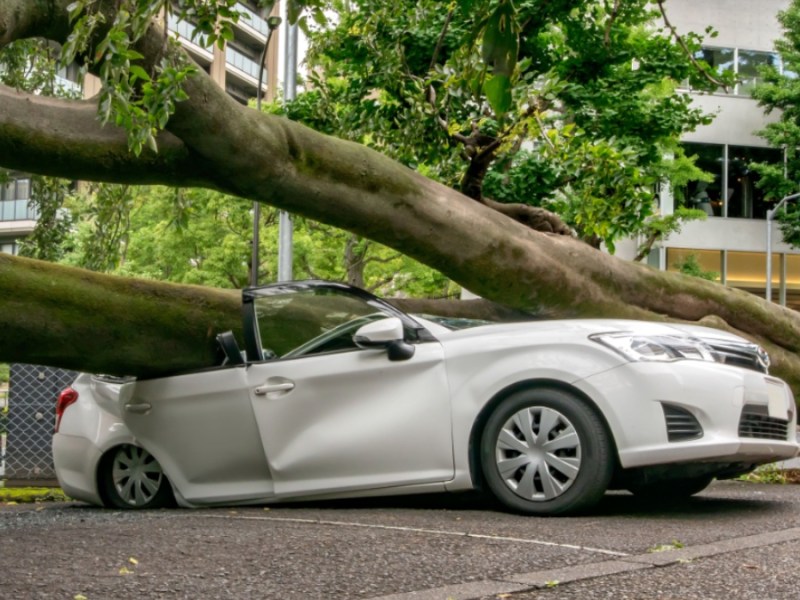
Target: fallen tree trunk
214	142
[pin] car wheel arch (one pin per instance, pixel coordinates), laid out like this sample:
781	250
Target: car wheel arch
475	469
108	455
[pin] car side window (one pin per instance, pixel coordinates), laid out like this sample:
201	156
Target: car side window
313	321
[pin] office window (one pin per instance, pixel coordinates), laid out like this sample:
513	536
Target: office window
16	189
719	59
740	196
748	66
23	191
703	195
743	63
745	200
709	261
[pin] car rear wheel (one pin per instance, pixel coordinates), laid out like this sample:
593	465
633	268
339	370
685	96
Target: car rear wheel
545	452
675	489
131	478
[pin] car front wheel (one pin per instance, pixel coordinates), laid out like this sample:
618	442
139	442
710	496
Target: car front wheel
131	478
545	452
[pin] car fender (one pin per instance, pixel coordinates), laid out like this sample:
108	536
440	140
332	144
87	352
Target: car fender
479	377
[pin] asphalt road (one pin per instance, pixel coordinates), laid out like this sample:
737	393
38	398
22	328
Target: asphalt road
734	541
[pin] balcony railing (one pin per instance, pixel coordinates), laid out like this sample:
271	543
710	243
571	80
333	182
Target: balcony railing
185	30
254	21
244	63
17	210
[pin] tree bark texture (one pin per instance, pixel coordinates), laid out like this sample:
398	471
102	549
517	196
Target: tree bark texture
214	142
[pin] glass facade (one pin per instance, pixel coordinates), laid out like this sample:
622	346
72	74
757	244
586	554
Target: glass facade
709	261
14	201
734	190
241	61
743	63
746	271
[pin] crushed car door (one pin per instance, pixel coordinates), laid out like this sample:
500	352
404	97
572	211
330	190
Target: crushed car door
354	420
200	427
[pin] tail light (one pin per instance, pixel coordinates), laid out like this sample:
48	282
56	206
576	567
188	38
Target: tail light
66	398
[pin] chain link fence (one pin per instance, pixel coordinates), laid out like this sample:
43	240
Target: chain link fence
3	429
30	419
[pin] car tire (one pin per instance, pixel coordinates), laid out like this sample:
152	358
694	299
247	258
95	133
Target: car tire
566	472
673	489
129	477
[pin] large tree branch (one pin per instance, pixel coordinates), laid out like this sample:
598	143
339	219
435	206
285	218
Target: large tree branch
26	18
63	138
287	165
71	318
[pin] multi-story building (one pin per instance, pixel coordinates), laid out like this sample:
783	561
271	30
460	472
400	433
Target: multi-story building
235	68
732	241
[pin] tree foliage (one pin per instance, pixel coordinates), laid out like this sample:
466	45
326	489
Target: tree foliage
780	92
570	106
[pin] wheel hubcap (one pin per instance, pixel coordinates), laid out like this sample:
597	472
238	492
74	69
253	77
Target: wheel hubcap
136	474
538	453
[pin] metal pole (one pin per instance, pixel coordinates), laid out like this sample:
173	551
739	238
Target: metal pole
768	294
272	24
285	249
770	216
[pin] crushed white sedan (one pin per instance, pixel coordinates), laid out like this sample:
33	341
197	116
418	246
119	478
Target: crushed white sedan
339	394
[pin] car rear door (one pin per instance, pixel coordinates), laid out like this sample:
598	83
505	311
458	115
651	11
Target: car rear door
200	427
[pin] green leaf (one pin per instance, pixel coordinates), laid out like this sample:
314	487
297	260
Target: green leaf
138	72
501	40
498	92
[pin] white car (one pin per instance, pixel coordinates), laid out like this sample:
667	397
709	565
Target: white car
342	395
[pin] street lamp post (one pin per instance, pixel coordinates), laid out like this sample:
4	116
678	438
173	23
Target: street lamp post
273	23
285	225
770	218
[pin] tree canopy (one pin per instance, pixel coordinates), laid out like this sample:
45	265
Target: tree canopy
154	99
780	91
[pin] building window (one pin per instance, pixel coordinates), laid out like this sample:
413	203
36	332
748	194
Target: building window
708	261
8	248
740	196
719	59
707	196
14	201
744	198
748	63
743	63
746	271
16	189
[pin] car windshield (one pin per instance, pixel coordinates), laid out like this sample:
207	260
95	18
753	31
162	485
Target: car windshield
311	321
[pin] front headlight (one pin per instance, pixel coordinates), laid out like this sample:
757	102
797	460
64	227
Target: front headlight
655	347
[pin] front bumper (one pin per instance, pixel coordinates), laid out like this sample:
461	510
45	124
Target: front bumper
737	415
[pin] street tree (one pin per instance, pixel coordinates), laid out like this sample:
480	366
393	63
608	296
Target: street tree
568	106
154	99
779	91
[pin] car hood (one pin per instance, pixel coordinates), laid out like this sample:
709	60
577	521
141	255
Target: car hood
586	327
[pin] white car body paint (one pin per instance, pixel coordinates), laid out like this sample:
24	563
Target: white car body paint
354	423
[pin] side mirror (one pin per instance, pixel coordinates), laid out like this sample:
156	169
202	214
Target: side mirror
386	333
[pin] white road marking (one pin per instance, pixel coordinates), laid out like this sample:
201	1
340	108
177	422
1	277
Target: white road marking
499	538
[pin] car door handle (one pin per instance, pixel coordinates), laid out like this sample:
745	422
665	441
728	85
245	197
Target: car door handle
265	389
138	408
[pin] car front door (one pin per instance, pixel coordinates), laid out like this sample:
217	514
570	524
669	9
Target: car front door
335	417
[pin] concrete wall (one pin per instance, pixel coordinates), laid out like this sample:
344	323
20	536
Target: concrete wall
750	24
743	24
